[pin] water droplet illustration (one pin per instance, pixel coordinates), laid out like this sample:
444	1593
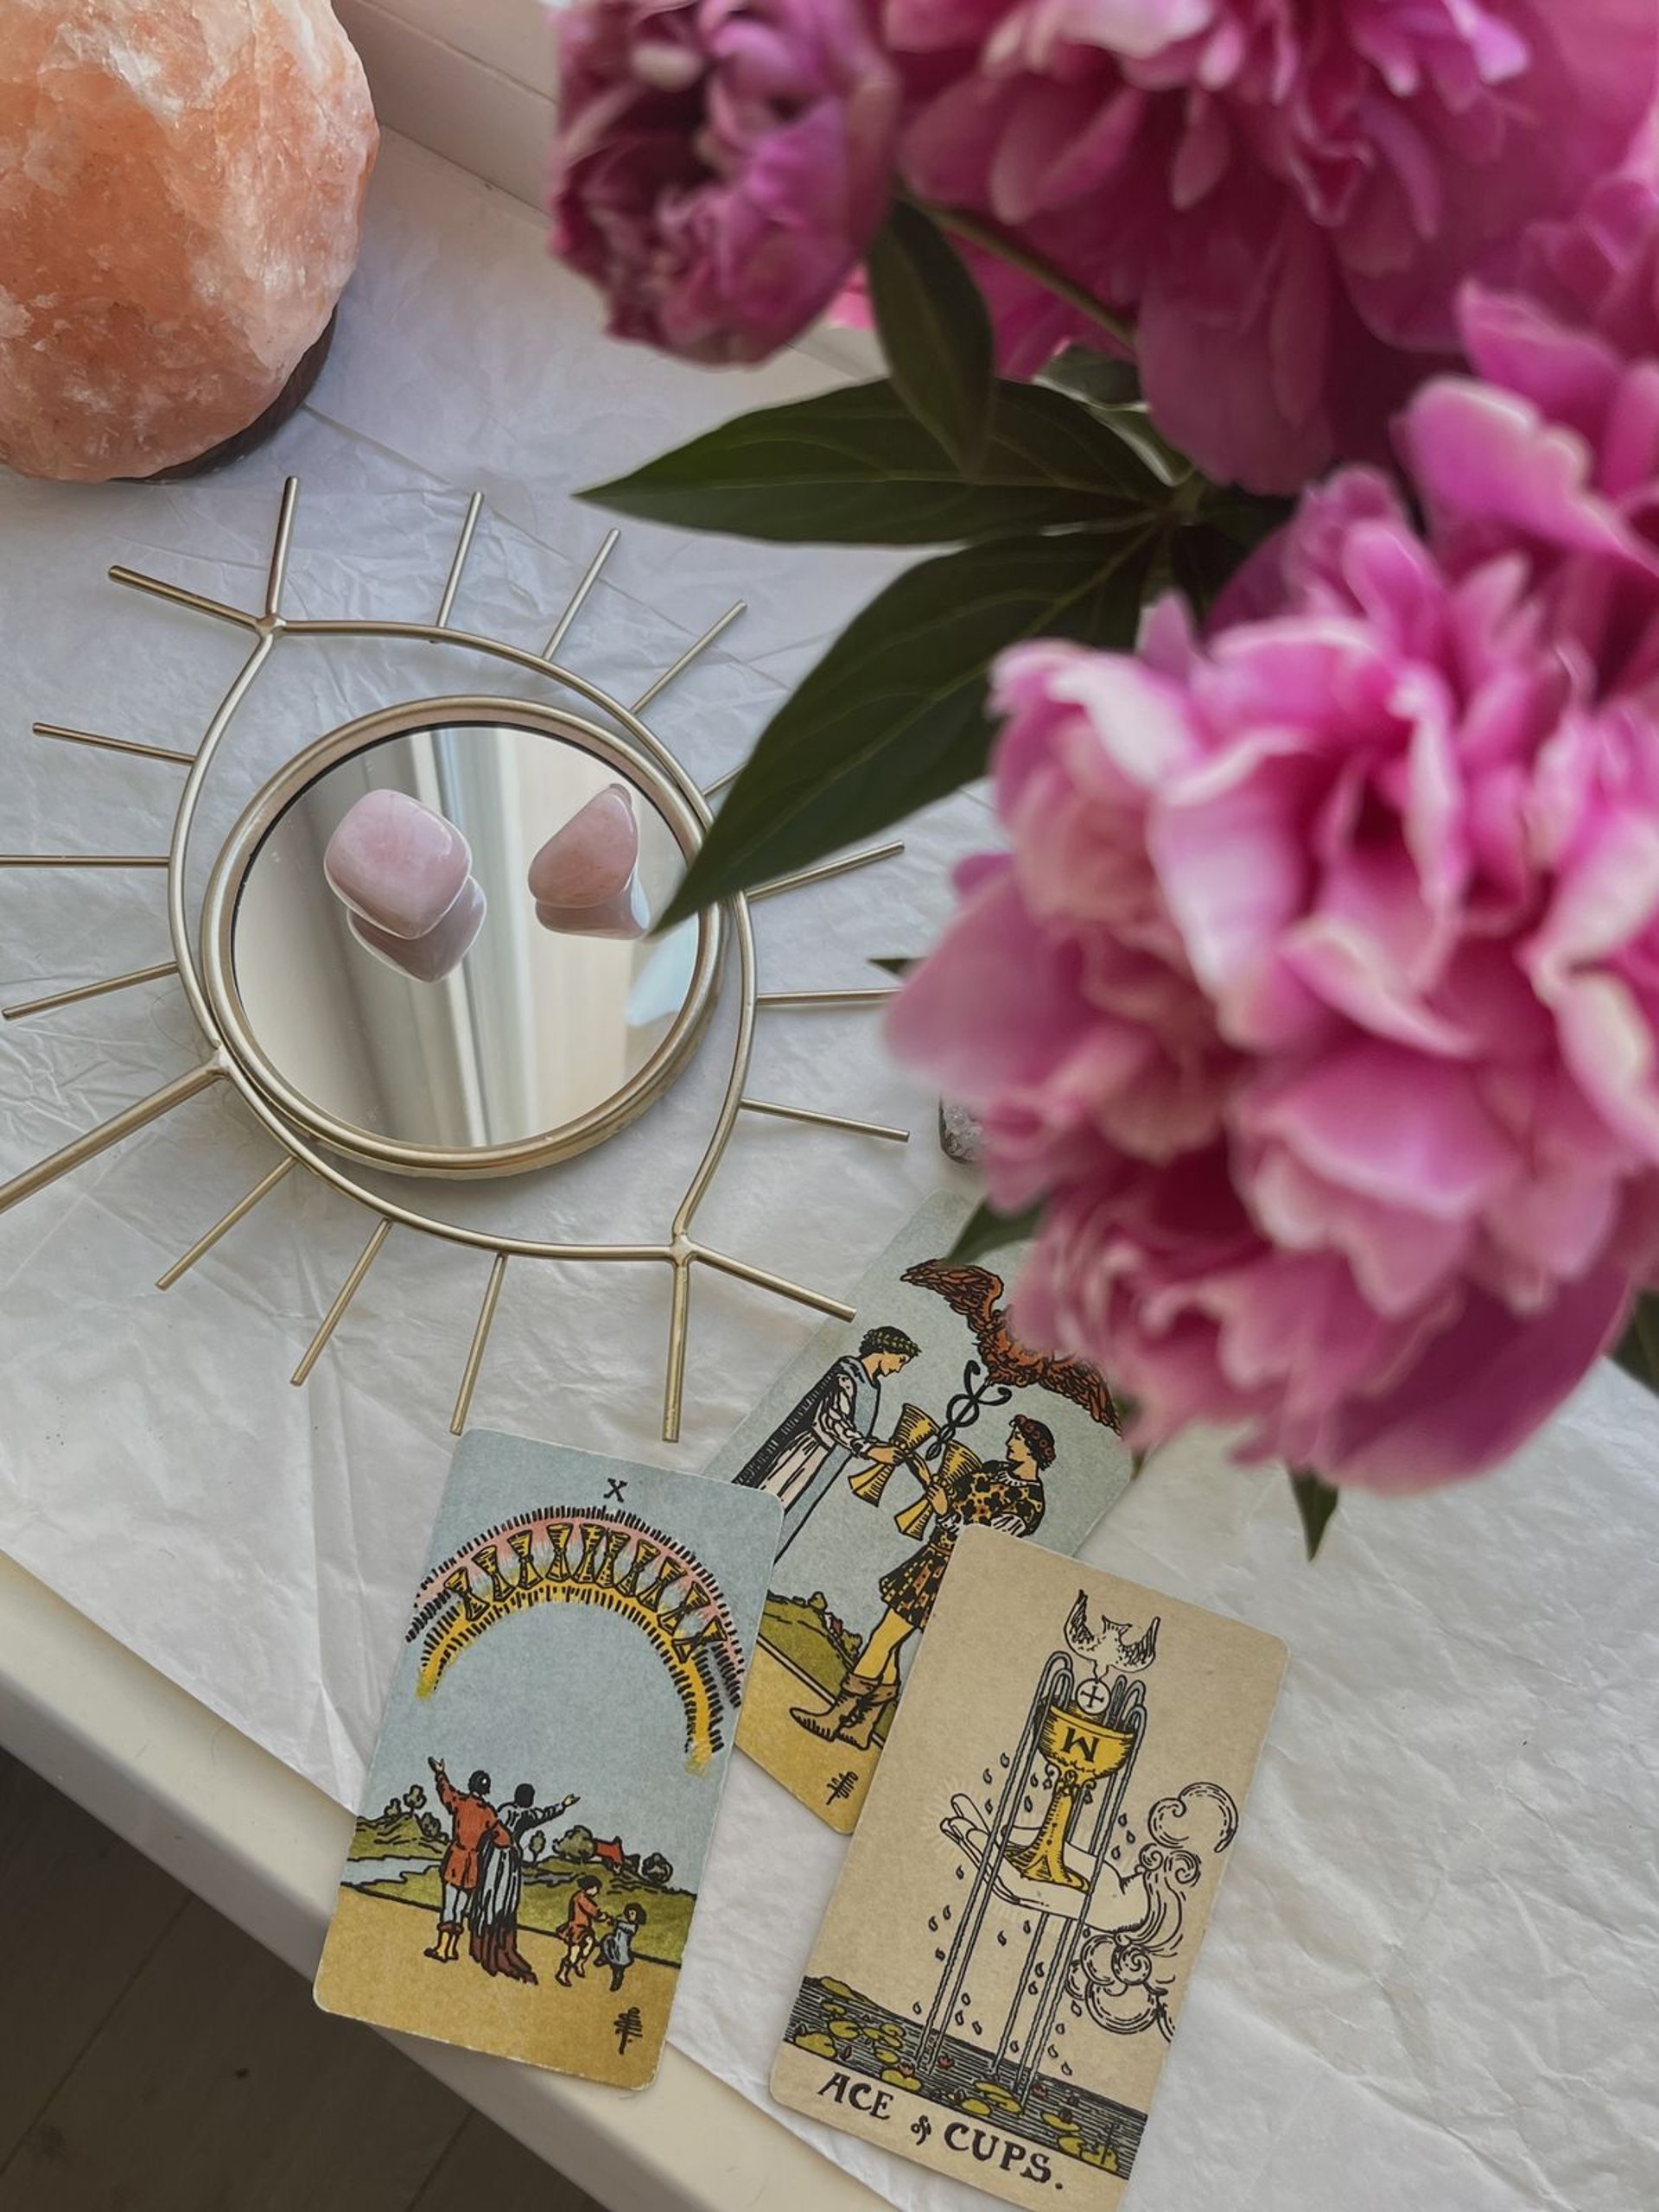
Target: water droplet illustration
1001	1937
985	1774
978	2031
1025	1927
917	2009
938	1954
933	1924
1065	2070
944	1911
1003	1760
960	1877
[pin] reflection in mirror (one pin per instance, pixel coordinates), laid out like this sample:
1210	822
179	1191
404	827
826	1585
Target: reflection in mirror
493	1026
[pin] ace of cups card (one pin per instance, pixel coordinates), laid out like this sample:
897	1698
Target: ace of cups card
882	1441
522	1877
1002	1965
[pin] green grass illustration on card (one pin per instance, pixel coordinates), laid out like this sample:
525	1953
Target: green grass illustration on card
523	1873
884	1440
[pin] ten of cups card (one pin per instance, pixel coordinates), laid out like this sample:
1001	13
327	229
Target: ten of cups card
525	1869
1002	1962
882	1441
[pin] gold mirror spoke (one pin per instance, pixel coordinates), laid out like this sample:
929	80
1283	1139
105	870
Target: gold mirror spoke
348	1291
671	675
463	547
158	588
562	628
222	1227
480	1338
826	870
90	990
125	1124
83	860
129	745
826	1121
878	996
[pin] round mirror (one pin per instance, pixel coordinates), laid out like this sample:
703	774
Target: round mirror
430	938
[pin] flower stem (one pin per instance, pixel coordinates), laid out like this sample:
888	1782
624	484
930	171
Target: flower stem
975	230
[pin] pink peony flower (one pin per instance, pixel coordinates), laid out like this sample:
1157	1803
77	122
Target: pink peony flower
720	165
1285	197
1318	994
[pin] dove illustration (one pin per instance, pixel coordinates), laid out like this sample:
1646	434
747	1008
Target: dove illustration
1106	1646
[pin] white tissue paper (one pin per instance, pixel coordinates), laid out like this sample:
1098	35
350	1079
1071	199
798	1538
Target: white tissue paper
1433	1974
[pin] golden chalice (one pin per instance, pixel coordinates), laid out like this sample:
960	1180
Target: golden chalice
1082	1752
911	1431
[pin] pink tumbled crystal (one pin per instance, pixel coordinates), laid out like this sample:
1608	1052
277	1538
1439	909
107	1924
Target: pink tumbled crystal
428	959
624	914
397	863
593	857
181	188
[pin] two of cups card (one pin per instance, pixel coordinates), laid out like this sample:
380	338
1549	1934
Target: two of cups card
1046	1766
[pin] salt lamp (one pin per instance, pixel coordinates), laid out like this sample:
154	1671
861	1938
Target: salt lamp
181	196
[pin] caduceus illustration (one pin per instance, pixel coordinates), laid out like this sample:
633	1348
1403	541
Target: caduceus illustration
1003	1365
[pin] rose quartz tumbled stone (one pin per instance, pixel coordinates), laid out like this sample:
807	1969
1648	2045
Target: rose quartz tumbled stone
397	863
428	959
181	187
624	914
593	857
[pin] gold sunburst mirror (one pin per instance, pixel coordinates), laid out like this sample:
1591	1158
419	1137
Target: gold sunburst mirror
522	1043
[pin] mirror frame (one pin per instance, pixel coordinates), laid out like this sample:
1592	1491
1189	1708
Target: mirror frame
676	1247
653	771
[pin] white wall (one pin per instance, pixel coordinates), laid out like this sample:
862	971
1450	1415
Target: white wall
471	79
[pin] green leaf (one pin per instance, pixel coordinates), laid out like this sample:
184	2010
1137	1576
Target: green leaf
1316	1501
987	1230
894	717
854	467
1638	1350
935	330
1201	561
1102	380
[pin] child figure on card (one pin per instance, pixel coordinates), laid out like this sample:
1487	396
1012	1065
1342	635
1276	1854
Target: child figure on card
616	1945
580	1927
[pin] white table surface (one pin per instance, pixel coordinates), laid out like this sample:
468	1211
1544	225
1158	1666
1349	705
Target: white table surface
1432	1974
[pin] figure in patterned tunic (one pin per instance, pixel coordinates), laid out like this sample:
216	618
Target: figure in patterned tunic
834	1424
494	1918
1005	1494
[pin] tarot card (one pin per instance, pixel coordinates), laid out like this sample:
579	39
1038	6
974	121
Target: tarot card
525	1866
1008	1949
887	1436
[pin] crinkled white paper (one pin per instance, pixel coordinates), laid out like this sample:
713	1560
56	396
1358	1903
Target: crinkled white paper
1432	1979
